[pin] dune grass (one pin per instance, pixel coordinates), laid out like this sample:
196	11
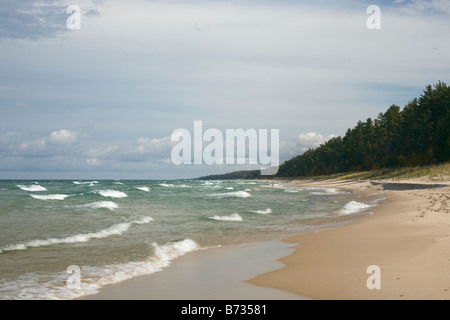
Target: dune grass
438	172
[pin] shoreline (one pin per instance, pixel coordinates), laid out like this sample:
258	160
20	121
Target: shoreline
246	260
219	273
407	237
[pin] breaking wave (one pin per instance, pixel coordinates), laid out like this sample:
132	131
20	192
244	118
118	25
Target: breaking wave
49	196
326	191
90	183
235	194
116	229
112	194
32	188
233	217
146	189
31	286
354	207
166	185
267	211
102	205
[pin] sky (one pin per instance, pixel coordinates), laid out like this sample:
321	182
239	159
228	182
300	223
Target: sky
102	101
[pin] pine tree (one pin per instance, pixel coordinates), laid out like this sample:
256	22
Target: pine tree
417	135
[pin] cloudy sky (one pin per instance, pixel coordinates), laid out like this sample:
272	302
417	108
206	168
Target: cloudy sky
103	101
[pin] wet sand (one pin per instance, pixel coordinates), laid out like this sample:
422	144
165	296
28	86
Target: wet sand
407	237
212	274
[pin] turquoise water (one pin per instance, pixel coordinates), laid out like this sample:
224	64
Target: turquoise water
116	230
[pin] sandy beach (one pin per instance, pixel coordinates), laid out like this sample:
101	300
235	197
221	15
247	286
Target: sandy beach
213	274
407	237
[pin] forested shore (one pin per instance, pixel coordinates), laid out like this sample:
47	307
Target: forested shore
418	135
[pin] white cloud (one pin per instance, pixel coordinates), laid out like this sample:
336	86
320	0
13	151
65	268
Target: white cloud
101	152
63	137
93	162
311	140
127	155
33	19
304	141
154	146
35	146
420	6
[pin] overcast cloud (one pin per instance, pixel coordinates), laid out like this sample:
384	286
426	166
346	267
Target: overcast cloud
102	101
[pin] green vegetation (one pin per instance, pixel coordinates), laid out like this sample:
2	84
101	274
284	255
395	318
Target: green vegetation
437	172
433	172
390	146
237	175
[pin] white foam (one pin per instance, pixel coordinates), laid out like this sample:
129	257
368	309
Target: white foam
49	196
34	286
90	183
233	217
166	185
174	250
235	194
354	207
267	211
146	189
102	204
38	286
326	191
162	258
32	188
112	194
94	278
117	229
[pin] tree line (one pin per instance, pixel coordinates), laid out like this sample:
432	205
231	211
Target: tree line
415	136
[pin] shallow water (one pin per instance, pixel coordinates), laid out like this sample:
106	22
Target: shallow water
117	230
